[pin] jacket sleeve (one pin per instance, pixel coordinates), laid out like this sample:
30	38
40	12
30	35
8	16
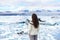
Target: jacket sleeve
29	28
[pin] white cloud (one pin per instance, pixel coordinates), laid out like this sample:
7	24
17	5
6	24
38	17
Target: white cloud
37	7
9	3
42	1
30	0
28	4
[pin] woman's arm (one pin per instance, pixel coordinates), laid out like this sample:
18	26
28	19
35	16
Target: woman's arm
29	21
40	20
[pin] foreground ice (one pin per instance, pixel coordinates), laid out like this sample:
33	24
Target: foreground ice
10	26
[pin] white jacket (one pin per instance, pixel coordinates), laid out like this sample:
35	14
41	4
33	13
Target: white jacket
32	30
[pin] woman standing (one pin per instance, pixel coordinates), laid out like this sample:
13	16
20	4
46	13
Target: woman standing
34	27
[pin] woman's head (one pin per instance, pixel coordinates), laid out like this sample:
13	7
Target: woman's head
35	20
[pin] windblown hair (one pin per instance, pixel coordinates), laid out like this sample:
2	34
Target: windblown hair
35	20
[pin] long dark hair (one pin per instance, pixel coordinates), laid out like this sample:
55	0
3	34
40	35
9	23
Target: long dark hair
35	20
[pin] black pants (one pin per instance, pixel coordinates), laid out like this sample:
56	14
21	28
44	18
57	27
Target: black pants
33	37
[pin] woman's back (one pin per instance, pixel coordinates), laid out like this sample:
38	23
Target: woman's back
33	30
34	27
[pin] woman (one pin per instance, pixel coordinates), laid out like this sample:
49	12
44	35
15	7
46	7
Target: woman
34	27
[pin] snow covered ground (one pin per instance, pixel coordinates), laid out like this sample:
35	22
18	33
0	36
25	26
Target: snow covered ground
10	26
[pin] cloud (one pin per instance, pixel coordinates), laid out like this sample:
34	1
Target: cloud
42	1
28	4
8	4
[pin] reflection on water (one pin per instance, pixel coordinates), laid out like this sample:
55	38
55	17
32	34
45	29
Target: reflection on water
9	28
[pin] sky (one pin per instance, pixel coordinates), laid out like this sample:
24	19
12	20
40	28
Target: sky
15	5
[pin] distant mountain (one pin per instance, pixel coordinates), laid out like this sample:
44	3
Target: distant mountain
58	10
38	10
25	10
28	12
49	11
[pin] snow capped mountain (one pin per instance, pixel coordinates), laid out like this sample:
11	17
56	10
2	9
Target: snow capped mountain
28	12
